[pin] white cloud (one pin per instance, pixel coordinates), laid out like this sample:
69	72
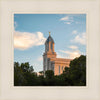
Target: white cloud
74	52
74	32
71	54
40	59
25	40
67	19
61	55
73	47
80	39
67	22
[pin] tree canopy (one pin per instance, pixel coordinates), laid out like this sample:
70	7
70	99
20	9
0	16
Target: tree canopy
75	75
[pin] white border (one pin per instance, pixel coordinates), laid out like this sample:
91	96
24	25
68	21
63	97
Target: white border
91	8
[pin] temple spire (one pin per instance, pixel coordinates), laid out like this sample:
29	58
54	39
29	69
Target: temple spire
49	33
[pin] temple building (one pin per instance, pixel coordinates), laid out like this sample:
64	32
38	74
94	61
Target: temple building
50	60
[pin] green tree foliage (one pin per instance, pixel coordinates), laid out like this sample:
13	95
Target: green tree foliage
78	71
23	74
19	79
49	80
49	74
75	75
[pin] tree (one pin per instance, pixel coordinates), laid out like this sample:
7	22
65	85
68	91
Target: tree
49	74
75	75
78	71
19	79
26	67
66	70
23	74
49	80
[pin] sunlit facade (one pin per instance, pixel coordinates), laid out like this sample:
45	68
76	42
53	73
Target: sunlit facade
50	60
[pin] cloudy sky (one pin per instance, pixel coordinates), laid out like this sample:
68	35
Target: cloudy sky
31	31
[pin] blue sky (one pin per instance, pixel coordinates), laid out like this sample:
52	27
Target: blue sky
31	31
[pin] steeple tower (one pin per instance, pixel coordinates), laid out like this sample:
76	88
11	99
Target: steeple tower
50	61
49	52
49	44
49	33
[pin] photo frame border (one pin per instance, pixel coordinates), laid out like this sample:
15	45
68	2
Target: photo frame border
7	88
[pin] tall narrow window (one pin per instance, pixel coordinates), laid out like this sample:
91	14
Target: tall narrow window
51	46
62	68
59	69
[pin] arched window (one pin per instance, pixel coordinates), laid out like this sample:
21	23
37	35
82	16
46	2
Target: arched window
62	68
59	69
51	46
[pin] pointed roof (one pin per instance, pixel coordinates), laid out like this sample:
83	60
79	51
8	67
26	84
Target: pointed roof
49	39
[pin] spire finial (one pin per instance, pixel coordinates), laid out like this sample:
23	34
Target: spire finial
49	33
